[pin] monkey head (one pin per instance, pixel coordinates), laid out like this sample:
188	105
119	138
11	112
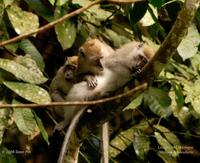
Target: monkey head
70	68
137	57
90	55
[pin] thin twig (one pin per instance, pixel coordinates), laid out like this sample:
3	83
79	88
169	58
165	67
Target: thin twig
70	103
51	24
68	134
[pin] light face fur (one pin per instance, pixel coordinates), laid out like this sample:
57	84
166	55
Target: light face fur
119	68
90	56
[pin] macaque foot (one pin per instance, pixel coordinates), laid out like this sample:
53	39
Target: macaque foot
91	81
136	73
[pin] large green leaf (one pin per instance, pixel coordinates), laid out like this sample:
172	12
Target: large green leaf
195	62
61	2
22	21
29	48
24	120
4	116
167	158
30	92
126	138
22	72
158	101
121	141
65	31
189	45
141	144
157	3
193	94
7	2
179	94
137	12
96	11
41	127
40	9
6	155
168	140
135	103
5	36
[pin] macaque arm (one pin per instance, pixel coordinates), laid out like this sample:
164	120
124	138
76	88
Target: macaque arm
57	96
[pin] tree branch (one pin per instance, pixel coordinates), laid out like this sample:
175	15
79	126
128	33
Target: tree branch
93	102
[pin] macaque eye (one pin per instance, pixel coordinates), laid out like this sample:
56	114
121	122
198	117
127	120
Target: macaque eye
82	54
140	45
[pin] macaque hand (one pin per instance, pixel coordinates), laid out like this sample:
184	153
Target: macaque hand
91	81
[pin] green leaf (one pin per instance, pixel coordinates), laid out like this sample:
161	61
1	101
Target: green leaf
168	140
189	45
193	94
135	103
147	19
157	3
24	119
40	9
52	1
167	158
126	138
137	12
6	155
7	2
29	48
4	116
158	101
61	2
5	36
41	127
22	72
179	94
66	31
195	62
30	92
22	21
121	141
141	144
2	7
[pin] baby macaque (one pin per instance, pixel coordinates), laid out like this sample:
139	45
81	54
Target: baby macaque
89	60
64	79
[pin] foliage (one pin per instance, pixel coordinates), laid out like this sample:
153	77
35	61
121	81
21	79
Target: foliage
161	120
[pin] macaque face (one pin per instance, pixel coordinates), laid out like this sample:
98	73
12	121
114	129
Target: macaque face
139	60
89	61
69	72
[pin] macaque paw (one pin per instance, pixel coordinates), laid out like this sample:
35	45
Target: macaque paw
92	81
137	73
